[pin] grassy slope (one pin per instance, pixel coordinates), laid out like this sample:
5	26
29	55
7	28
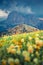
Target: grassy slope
18	37
22	49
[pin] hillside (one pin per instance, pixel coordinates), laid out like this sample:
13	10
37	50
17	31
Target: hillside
22	49
23	28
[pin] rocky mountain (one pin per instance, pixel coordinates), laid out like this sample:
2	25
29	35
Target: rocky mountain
23	28
16	18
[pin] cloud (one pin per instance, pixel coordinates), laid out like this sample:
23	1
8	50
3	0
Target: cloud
3	14
26	10
40	18
22	9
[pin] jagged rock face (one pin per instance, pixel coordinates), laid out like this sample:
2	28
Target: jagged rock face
23	28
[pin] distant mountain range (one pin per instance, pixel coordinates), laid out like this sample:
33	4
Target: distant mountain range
16	18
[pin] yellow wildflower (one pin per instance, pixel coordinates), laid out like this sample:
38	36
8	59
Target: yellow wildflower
17	62
20	46
4	62
22	40
36	47
30	38
37	35
39	43
33	36
37	53
10	61
36	38
28	44
1	44
27	58
14	41
12	46
17	46
25	53
11	49
30	49
18	52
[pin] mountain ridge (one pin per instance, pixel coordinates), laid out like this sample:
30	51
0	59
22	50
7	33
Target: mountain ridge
22	28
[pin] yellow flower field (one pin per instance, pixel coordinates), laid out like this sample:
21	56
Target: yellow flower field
22	49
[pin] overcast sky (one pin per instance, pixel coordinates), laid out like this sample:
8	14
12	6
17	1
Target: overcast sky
34	7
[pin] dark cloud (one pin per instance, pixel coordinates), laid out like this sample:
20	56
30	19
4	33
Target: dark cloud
36	5
8	3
